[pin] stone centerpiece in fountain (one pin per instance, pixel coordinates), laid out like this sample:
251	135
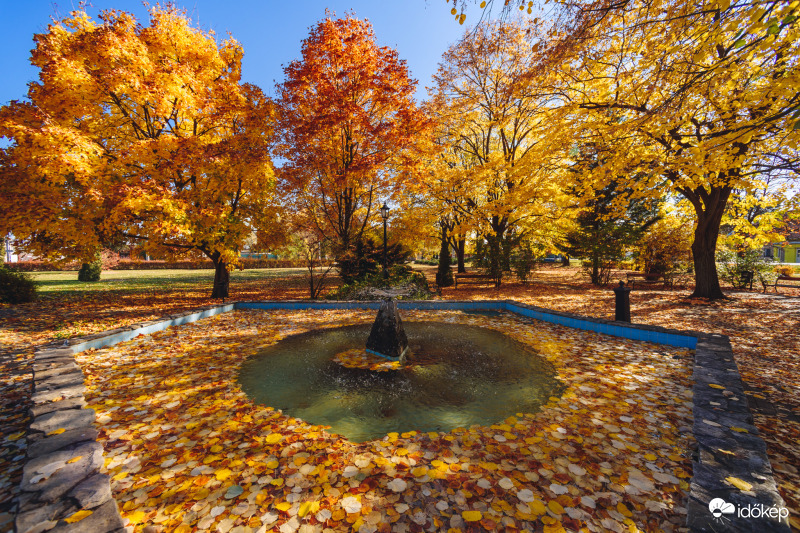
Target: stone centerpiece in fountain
387	338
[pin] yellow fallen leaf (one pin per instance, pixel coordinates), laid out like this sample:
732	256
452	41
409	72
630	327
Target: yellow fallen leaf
77	517
272	464
715	386
537	508
472	516
120	476
623	510
58	431
739	430
554	528
74	460
222	474
283	506
135	517
202	494
307	507
739	483
555	507
273	438
650	457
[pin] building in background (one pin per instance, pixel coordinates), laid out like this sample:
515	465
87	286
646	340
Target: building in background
788	250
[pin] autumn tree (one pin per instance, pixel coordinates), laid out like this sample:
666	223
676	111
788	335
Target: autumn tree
699	97
136	133
665	249
492	117
346	114
755	218
607	225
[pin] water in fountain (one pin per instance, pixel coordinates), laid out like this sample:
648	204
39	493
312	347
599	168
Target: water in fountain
458	375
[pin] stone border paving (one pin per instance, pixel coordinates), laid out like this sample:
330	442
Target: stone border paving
62	470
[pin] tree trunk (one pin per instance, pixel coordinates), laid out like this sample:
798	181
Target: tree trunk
709	207
312	294
595	267
221	278
460	252
705	265
444	274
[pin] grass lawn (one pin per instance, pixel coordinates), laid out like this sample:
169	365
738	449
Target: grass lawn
763	331
152	280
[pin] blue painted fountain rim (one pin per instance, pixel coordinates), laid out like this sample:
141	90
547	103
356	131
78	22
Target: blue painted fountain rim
639	332
387	357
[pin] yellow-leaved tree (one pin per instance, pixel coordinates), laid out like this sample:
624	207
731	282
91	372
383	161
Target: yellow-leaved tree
137	133
694	99
494	169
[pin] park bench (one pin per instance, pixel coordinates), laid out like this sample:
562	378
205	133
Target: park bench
794	282
473	278
640	278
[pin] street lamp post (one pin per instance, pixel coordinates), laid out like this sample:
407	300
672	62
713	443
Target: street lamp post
385	216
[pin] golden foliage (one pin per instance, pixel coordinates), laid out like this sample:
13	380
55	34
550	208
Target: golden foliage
137	132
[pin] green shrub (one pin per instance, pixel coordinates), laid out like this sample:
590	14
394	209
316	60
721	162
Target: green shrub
16	287
399	275
738	267
90	271
523	262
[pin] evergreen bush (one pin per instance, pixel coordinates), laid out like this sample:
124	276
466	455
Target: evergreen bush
16	287
90	271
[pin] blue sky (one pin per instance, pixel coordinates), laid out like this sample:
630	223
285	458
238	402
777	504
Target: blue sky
271	32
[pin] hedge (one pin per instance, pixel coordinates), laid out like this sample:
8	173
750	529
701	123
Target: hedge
244	263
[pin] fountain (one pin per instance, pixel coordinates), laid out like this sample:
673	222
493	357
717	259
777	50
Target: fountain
436	377
387	338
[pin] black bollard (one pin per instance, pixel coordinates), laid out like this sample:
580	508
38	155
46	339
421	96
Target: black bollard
622	310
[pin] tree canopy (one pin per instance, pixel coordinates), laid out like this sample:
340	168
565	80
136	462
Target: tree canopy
347	116
492	118
146	134
697	101
134	132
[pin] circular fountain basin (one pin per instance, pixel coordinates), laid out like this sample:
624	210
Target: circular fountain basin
457	376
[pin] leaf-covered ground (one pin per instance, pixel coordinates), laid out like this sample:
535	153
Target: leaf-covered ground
187	450
763	331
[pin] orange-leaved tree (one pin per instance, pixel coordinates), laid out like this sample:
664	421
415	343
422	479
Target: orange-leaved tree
137	133
347	118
